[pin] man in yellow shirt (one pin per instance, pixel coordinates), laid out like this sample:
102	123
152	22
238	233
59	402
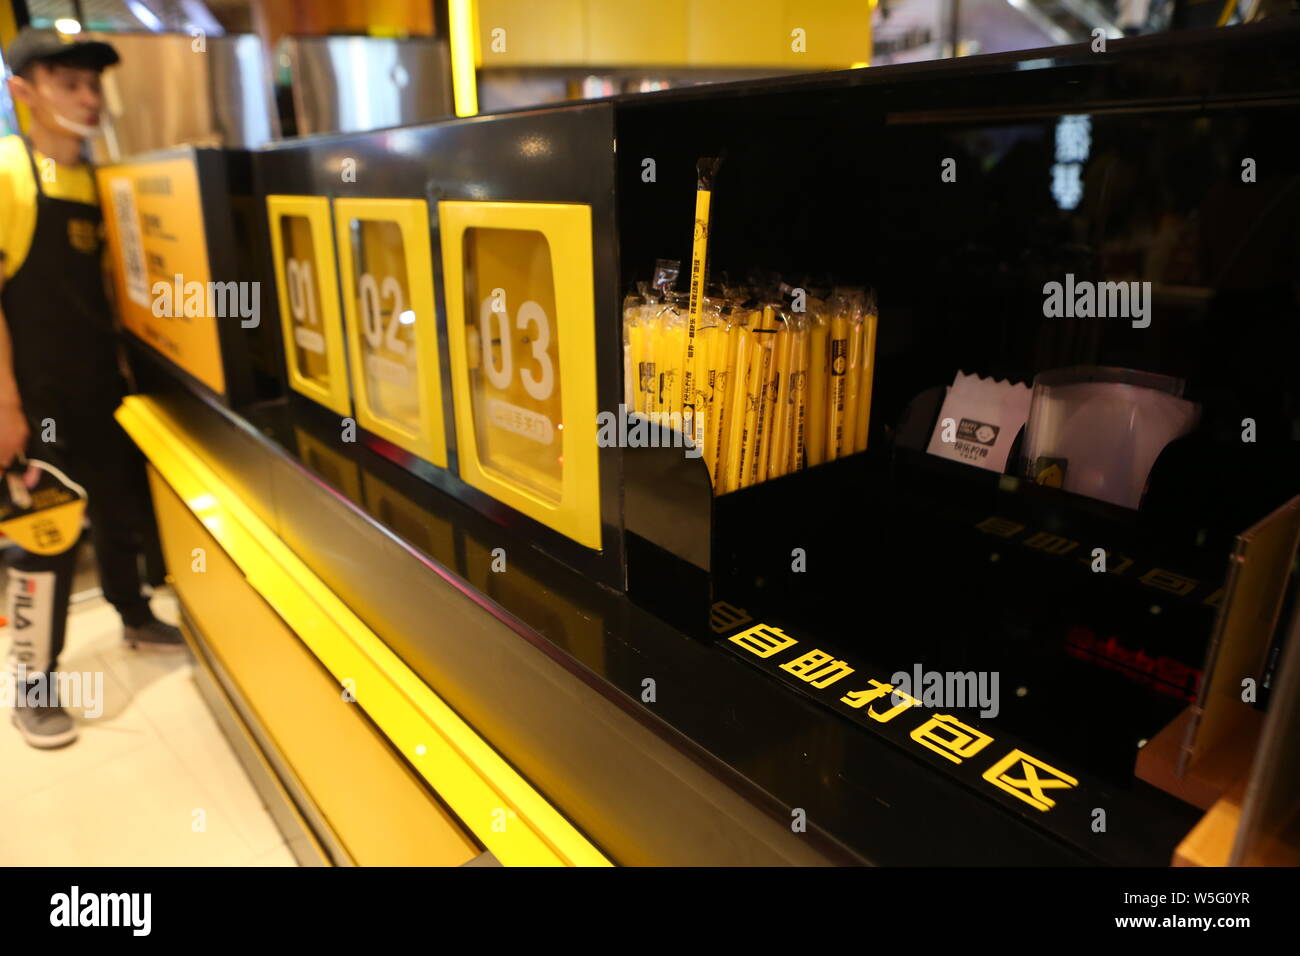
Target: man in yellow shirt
59	376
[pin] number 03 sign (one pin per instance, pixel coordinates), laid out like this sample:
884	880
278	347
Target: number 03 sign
521	326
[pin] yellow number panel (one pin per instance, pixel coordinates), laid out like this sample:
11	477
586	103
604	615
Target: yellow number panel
386	268
519	313
305	273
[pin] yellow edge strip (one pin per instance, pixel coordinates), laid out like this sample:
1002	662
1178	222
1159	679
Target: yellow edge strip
462	30
508	816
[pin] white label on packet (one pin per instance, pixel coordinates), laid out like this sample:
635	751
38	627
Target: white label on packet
128	230
979	421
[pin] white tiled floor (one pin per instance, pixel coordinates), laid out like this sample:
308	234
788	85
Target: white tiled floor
151	781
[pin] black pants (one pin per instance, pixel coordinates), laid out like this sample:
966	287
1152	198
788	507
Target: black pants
91	448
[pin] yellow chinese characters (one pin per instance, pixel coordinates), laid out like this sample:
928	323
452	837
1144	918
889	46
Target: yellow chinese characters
763	641
1029	786
817	668
1024	777
857	699
950	738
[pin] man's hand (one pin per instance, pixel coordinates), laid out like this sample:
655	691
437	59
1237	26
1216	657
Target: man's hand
13	433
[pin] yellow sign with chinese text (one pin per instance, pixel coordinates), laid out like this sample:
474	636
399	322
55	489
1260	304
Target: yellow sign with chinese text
154	223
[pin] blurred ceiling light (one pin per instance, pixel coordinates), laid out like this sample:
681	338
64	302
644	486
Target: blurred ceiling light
201	18
67	26
145	15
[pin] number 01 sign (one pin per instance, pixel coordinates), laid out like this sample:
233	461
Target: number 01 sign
305	278
521	327
384	263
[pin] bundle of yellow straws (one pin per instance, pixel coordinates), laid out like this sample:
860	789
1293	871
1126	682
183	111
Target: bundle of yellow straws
777	388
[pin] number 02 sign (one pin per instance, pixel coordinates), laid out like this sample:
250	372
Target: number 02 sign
385	266
521	326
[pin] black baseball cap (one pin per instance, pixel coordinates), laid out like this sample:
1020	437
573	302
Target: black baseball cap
50	46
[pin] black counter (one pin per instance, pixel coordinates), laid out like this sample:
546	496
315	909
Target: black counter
551	669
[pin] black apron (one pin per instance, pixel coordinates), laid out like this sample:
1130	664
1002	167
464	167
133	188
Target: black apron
64	349
65	363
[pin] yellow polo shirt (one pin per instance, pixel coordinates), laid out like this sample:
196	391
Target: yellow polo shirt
18	197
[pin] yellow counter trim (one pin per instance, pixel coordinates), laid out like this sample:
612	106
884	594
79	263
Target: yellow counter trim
462	29
504	812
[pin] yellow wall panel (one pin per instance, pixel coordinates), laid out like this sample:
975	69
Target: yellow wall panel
633	32
537	32
837	33
737	32
696	33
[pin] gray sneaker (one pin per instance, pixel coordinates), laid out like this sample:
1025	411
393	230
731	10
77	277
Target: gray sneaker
45	727
154	635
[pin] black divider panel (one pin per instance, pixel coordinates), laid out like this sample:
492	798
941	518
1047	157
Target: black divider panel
912	559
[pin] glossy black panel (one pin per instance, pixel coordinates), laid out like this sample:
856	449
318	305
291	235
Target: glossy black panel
914	561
